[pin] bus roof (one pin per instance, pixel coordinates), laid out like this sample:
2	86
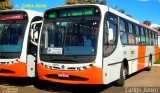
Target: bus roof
148	27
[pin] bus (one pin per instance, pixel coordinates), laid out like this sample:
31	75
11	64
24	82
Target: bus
93	44
17	53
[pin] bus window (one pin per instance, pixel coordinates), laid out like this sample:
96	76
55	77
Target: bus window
122	25
137	35
130	28
150	37
123	33
12	36
143	39
109	45
153	35
137	30
114	29
152	42
147	36
156	39
142	32
123	37
70	37
146	32
150	33
131	39
34	36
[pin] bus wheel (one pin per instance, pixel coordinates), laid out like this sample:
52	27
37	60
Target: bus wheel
123	73
149	67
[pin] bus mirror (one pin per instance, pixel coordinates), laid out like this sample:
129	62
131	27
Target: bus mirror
35	29
110	30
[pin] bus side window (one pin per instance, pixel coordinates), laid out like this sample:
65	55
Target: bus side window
110	34
153	34
147	36
105	41
123	33
156	38
151	38
131	39
113	30
32	49
137	35
143	40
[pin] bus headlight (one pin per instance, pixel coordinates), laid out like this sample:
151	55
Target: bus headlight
84	67
91	65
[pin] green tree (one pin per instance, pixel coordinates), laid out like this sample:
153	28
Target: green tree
147	22
129	15
157	28
68	2
122	11
6	4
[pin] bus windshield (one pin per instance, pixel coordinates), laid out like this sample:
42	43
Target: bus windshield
70	37
11	36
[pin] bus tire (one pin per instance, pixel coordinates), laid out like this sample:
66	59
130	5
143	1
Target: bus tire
149	67
120	81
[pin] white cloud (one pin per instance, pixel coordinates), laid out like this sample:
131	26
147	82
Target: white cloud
144	0
155	25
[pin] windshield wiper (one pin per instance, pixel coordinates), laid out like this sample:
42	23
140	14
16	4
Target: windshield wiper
80	20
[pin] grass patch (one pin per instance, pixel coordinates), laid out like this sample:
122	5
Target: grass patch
158	61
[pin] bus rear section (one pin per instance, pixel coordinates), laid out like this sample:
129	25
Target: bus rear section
14	43
68	46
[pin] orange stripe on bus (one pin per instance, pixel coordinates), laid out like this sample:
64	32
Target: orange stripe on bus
141	57
156	52
93	75
19	69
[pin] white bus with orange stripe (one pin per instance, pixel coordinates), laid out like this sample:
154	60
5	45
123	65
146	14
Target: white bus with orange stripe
17	57
93	44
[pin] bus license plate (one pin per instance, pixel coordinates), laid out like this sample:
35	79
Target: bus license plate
63	75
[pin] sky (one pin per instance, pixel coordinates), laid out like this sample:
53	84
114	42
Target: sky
140	10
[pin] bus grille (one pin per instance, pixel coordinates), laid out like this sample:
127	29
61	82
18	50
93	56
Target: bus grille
6	71
73	78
